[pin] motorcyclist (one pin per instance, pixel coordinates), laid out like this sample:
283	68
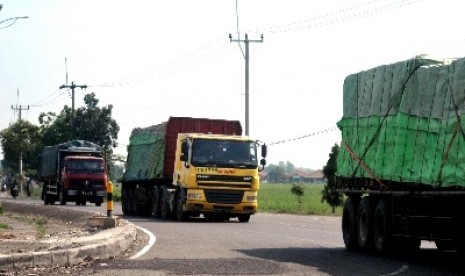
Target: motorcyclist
14	190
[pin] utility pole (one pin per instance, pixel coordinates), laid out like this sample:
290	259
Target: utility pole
73	86
19	108
246	41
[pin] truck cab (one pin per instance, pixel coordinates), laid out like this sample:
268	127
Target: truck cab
83	179
217	174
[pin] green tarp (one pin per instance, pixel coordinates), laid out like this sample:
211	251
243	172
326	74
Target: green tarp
405	122
145	153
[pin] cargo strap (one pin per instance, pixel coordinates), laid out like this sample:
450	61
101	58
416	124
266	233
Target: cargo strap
390	106
361	163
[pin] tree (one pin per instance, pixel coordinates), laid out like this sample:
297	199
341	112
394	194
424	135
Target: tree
21	139
329	193
298	190
276	173
91	123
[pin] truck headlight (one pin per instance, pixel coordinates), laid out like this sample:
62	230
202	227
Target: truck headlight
252	198
194	196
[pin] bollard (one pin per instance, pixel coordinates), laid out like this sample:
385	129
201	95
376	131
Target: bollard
109	199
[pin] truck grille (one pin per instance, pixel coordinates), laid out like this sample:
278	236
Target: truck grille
224	197
87	184
224	181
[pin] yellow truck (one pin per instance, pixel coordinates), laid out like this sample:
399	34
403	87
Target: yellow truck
187	167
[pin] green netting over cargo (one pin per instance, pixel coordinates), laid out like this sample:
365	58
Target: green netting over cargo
145	153
402	121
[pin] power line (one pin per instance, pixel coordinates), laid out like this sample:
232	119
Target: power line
304	136
318	21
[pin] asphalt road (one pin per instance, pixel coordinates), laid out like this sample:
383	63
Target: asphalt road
270	244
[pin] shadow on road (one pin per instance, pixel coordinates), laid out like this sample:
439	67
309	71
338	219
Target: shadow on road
339	262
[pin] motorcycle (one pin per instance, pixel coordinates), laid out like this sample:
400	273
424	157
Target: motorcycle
14	190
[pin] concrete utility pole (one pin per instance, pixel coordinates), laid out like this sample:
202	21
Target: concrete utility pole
246	41
19	108
73	86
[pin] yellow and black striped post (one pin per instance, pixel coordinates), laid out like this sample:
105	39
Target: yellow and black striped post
109	199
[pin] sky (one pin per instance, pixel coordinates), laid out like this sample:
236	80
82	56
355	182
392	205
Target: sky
155	59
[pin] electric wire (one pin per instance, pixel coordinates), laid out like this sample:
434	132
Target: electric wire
320	21
324	131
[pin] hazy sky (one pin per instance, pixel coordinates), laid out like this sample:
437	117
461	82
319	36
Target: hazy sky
155	59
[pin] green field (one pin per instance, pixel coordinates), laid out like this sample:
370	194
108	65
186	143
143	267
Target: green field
277	198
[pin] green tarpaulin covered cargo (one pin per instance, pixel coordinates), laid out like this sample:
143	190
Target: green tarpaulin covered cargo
146	153
404	122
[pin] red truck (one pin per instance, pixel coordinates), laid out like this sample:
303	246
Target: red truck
73	171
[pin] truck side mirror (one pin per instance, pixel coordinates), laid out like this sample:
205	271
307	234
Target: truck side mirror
264	151
262	163
184	151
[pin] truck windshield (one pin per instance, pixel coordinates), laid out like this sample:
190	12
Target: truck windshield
221	153
84	166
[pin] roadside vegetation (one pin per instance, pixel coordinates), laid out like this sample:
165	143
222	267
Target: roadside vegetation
278	198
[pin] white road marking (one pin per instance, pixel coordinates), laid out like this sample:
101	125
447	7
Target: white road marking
152	240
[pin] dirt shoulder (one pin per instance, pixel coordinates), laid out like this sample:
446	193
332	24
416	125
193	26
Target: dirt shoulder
25	228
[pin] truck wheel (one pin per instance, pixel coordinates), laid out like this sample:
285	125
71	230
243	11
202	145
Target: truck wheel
155	204
243	218
125	202
181	215
98	202
46	200
382	232
349	224
132	202
442	245
165	213
365	224
62	196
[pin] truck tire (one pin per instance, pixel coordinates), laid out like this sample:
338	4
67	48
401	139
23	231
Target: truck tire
382	229
46	199
155	203
62	196
349	224
181	215
99	201
125	202
243	218
365	224
132	202
164	204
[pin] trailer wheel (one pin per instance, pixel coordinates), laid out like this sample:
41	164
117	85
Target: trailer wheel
349	224
181	215
382	232
164	204
155	204
125	202
132	202
442	245
365	224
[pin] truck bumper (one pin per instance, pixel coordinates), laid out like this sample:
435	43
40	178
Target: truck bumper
86	193
205	207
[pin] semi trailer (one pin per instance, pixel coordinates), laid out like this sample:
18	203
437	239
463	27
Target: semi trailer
401	163
187	167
